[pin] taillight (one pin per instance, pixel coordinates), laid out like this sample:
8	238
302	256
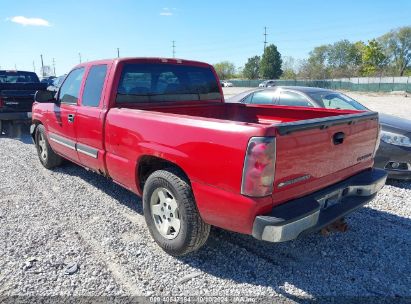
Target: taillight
259	167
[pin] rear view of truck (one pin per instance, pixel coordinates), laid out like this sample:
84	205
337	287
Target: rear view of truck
17	90
316	171
161	128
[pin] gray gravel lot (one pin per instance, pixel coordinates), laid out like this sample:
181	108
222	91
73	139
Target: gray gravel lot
49	219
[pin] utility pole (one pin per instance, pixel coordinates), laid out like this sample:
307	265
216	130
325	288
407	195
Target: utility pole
42	65
15	67
34	67
54	67
174	49
79	56
118	52
265	37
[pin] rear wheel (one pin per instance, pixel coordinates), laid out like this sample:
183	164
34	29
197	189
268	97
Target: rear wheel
171	213
47	156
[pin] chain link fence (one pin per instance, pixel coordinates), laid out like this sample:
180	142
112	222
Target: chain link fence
363	84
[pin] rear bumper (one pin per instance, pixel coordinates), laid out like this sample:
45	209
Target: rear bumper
15	116
315	211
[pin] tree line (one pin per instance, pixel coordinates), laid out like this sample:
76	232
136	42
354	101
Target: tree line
387	55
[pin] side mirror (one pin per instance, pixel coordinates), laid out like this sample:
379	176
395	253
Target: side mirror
45	96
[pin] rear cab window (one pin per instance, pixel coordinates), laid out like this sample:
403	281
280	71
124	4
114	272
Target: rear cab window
18	77
156	82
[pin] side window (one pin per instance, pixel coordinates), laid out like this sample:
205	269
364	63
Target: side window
293	99
94	86
248	99
71	87
263	97
337	103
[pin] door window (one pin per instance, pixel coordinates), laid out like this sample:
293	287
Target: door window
70	89
288	98
94	85
263	97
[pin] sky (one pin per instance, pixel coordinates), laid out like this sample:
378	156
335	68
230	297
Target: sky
210	31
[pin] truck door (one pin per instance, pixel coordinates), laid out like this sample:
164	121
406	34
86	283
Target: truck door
90	119
62	119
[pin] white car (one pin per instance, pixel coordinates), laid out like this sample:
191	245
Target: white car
267	84
226	83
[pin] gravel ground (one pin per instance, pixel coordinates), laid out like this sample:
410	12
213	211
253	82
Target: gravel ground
50	219
394	103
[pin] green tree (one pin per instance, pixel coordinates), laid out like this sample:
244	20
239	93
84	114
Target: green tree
358	49
397	45
289	68
225	69
315	67
270	65
373	58
252	68
344	58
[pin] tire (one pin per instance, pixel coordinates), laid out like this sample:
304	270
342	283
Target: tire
178	203
48	158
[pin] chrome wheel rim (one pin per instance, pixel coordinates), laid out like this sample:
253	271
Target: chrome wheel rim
42	147
164	211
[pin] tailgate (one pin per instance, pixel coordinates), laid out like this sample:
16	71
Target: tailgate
17	100
315	153
19	97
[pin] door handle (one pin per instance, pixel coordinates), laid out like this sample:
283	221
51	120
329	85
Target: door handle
70	118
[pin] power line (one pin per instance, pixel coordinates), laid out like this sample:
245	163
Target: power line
174	49
265	37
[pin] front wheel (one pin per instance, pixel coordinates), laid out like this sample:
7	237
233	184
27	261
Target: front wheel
47	156
171	213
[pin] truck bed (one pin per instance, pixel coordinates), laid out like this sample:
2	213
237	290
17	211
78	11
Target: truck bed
243	113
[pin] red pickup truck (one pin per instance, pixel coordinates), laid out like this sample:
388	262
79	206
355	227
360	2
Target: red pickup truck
160	128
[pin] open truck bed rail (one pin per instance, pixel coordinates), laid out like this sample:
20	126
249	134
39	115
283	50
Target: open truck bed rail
324	122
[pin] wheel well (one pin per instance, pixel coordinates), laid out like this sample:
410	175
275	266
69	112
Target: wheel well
148	164
36	123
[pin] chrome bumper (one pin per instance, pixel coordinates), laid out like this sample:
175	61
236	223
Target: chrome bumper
313	212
